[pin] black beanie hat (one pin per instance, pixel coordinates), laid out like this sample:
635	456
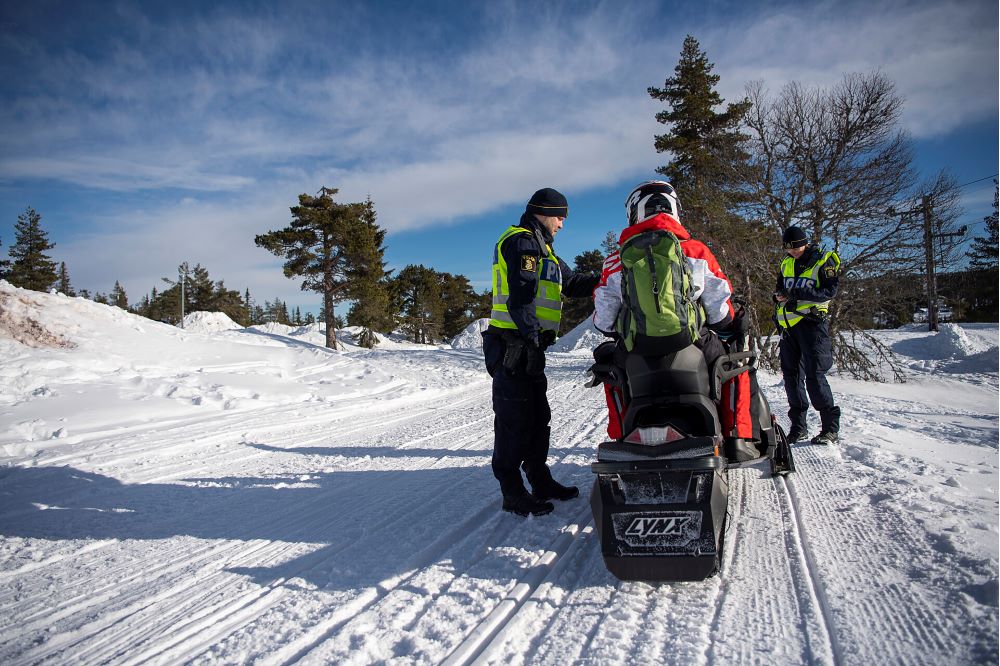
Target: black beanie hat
794	237
548	202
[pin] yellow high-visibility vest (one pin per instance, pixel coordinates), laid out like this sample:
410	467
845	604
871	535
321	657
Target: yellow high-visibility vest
807	278
548	295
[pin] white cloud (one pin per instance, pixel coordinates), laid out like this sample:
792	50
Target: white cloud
234	106
942	56
137	247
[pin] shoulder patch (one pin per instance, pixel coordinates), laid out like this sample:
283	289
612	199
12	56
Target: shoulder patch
529	262
830	272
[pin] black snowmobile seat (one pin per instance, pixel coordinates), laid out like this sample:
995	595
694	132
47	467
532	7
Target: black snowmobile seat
682	372
671	389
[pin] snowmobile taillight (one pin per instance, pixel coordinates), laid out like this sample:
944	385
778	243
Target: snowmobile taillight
654	435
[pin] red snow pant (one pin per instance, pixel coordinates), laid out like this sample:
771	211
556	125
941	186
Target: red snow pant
734	407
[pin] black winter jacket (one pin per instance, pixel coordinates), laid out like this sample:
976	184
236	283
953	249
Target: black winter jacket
524	283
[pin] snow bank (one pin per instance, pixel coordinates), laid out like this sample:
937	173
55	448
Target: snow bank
16	322
72	366
472	337
209	322
583	338
273	328
954	341
955	348
950	342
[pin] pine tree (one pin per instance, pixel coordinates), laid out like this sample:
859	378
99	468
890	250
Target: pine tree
247	319
118	296
174	303
460	301
155	308
706	146
368	287
315	247
418	289
64	285
31	268
227	301
576	310
199	291
985	249
4	265
483	305
610	244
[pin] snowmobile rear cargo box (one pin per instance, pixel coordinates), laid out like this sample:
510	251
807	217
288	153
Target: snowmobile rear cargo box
660	519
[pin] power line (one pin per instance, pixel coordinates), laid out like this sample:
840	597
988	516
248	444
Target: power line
973	182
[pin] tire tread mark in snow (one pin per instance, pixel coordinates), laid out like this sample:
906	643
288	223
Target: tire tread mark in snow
546	566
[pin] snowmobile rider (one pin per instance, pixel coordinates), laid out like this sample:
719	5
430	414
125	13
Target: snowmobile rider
807	281
654	205
529	281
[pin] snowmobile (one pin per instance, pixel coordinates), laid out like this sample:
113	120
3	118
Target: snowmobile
661	492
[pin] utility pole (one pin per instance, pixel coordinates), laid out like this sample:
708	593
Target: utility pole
182	273
926	210
932	314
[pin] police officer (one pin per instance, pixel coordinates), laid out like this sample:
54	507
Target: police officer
529	281
807	280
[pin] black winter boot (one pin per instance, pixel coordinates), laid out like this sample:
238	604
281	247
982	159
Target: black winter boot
525	504
826	437
796	434
552	489
740	450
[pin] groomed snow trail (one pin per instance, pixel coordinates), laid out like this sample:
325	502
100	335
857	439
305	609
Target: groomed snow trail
370	532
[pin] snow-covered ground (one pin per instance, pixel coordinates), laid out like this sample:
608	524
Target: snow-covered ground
230	495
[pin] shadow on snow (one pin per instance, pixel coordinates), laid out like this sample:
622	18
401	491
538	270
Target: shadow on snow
367	526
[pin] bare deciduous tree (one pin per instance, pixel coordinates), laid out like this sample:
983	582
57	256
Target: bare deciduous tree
834	162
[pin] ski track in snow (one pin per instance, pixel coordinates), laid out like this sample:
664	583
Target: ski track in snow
347	532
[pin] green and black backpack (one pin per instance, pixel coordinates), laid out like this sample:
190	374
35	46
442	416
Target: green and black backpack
659	315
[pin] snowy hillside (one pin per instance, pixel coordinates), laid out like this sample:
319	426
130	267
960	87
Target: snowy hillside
244	495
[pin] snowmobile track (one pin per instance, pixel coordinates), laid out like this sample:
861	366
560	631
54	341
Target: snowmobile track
812	591
525	592
499	525
305	518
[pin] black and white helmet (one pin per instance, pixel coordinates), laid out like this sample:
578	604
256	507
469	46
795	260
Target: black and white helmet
650	198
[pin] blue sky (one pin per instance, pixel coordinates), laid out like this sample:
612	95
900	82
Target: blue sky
147	134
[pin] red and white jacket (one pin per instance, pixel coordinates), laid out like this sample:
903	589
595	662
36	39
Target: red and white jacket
710	284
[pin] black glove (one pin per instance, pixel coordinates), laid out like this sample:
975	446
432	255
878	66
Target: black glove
546	339
605	352
742	322
513	358
740	328
536	361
